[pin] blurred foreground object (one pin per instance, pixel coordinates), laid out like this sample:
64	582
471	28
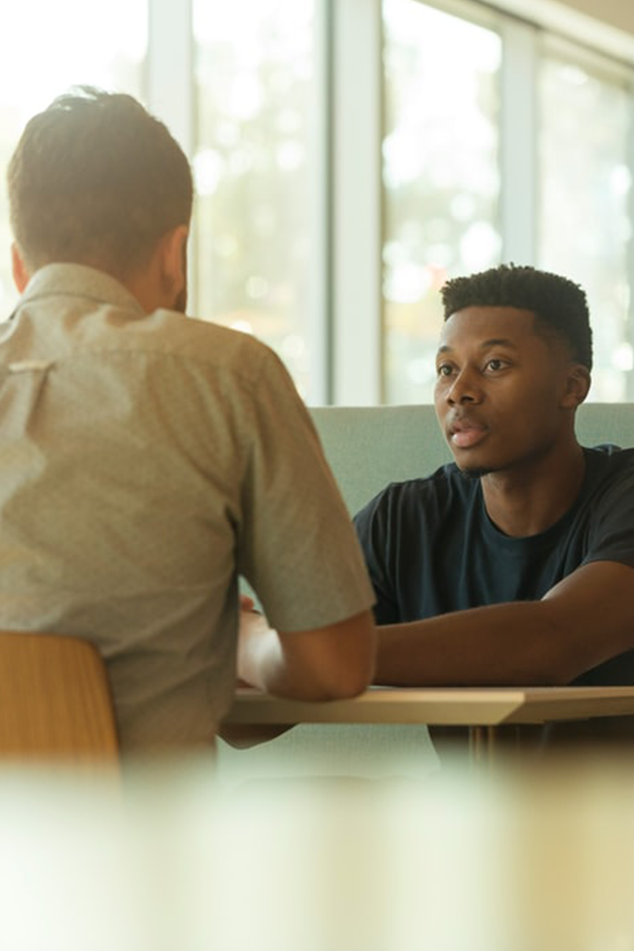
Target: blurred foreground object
526	861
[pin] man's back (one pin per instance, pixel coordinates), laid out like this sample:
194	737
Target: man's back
144	462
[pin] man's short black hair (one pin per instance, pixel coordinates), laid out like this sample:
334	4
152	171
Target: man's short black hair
557	302
95	179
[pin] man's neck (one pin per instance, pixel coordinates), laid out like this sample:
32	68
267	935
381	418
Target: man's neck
528	502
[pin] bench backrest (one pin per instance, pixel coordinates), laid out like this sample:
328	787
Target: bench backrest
367	447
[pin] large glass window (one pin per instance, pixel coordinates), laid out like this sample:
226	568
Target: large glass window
441	177
585	208
254	167
255	95
41	57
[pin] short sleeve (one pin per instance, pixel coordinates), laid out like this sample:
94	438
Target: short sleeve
296	545
373	526
611	535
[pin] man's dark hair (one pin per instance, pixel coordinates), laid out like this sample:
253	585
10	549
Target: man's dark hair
559	304
97	180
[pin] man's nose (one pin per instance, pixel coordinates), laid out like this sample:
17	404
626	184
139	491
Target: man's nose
464	388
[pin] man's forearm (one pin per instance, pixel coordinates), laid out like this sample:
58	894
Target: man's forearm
584	620
517	643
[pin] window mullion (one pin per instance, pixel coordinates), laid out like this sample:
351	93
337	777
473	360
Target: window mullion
629	332
357	232
319	336
169	84
519	118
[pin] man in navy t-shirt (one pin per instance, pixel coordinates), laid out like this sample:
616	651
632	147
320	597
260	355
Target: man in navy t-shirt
515	565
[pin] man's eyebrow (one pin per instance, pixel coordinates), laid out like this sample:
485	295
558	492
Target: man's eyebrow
493	342
498	342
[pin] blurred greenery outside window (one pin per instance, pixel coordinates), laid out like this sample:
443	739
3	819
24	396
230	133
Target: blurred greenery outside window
440	175
254	80
443	177
585	211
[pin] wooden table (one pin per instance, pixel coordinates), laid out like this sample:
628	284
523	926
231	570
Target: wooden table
483	710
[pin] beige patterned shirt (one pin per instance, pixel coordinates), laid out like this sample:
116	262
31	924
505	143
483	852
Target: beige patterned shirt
145	462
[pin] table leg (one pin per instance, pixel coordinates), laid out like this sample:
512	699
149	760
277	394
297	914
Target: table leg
482	745
489	745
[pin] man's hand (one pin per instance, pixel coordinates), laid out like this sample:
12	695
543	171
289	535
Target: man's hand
238	735
325	663
252	631
248	613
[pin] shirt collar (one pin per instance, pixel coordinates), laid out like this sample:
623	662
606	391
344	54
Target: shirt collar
79	280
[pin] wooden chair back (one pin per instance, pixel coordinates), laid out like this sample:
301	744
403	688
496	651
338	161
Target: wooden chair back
55	700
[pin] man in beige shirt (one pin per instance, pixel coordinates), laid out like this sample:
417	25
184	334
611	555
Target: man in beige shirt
147	460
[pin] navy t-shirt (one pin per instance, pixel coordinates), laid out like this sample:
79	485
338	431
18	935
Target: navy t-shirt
430	546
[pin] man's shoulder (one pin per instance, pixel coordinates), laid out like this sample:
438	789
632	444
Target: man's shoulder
72	308
201	340
196	347
447	479
435	493
609	463
609	481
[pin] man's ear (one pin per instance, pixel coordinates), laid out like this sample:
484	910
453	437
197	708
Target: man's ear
173	260
577	385
18	269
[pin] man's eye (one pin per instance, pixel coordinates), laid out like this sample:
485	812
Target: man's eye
495	364
444	369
